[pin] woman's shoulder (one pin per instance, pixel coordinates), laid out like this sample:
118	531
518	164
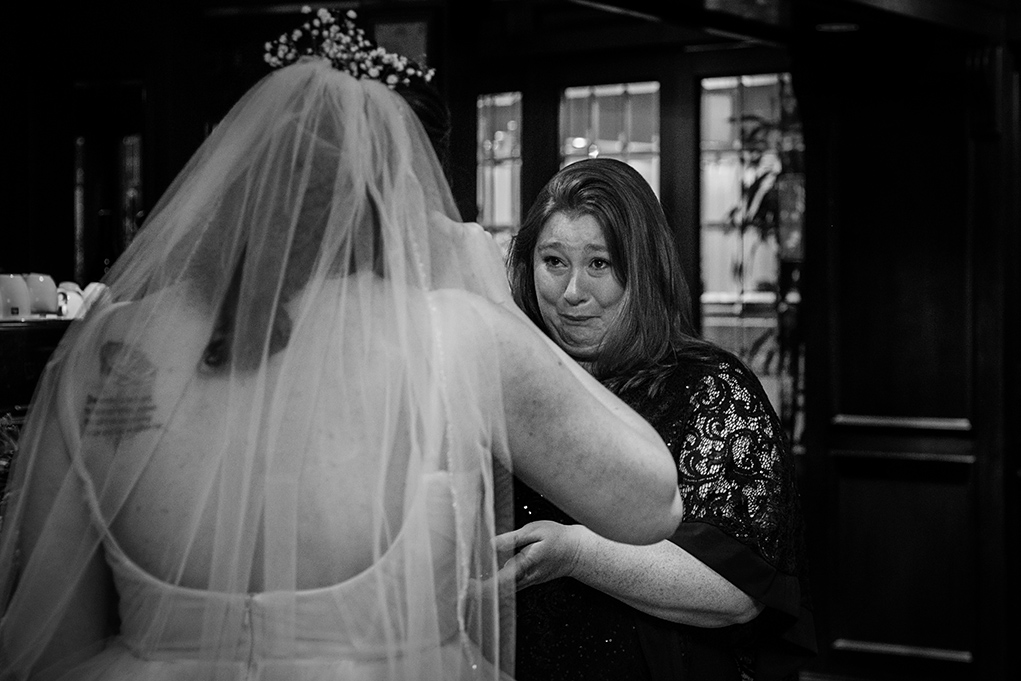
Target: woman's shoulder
114	317
462	309
454	299
118	343
496	334
710	374
692	366
158	327
471	330
726	385
710	364
474	316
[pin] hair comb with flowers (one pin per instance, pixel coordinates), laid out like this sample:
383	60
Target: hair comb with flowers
346	46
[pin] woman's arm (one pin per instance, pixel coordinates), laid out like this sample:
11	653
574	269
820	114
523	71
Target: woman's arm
666	580
578	444
568	436
663	579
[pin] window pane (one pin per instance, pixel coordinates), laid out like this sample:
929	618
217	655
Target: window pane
616	121
609	112
644	120
752	203
499	164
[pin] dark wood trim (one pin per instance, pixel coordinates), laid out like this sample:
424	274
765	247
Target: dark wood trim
679	171
540	135
718	23
939	654
919	457
991	190
961	425
968	16
458	76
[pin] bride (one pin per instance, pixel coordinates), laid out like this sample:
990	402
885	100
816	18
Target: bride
280	446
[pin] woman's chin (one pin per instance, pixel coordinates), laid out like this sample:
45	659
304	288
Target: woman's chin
583	353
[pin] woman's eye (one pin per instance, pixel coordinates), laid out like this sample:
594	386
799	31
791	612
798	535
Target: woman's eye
552	261
600	264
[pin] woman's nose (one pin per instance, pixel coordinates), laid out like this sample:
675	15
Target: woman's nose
574	292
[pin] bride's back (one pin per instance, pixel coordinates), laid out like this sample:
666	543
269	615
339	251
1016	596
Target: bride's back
309	456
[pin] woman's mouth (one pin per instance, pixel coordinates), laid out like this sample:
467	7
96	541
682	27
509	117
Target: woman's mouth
576	319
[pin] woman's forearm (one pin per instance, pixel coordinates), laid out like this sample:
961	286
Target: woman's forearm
663	580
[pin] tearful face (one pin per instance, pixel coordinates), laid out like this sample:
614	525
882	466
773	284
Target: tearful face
579	292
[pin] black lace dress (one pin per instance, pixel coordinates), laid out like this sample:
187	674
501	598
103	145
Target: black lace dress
742	518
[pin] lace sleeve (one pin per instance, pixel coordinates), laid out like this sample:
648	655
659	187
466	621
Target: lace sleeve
742	516
735	471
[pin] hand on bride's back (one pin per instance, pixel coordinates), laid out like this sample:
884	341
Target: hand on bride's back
543	550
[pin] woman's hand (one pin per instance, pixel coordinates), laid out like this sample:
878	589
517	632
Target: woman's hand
543	550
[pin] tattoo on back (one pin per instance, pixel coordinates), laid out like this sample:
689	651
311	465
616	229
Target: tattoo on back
125	405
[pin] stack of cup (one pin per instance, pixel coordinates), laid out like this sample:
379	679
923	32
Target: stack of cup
15	299
43	293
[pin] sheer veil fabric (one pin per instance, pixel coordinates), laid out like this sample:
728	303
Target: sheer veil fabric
273	450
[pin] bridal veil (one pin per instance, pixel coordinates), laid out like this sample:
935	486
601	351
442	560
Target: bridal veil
269	451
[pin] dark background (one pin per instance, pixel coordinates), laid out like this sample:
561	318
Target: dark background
910	470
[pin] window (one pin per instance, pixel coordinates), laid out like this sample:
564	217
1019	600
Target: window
499	164
752	207
615	121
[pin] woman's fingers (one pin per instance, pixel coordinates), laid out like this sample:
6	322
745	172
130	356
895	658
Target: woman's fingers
510	574
524	535
545	550
524	569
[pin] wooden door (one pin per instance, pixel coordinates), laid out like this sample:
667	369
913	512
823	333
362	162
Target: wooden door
907	236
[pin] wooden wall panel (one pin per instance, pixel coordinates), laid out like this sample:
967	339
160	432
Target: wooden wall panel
906	233
904	560
902	305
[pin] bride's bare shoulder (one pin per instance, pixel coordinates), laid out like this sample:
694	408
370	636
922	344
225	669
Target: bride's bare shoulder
159	326
470	312
477	322
447	300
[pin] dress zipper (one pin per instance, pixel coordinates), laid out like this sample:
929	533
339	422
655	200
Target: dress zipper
250	634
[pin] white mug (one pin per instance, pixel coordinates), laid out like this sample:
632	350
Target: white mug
43	293
69	299
15	301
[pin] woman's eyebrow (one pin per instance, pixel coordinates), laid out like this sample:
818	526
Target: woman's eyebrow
587	248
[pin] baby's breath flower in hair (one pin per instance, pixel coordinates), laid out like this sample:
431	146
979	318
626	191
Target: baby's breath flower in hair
347	47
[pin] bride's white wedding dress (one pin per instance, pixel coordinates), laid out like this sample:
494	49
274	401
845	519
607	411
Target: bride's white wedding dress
268	450
304	635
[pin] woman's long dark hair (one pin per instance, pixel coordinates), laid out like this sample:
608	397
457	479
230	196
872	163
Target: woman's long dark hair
654	331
